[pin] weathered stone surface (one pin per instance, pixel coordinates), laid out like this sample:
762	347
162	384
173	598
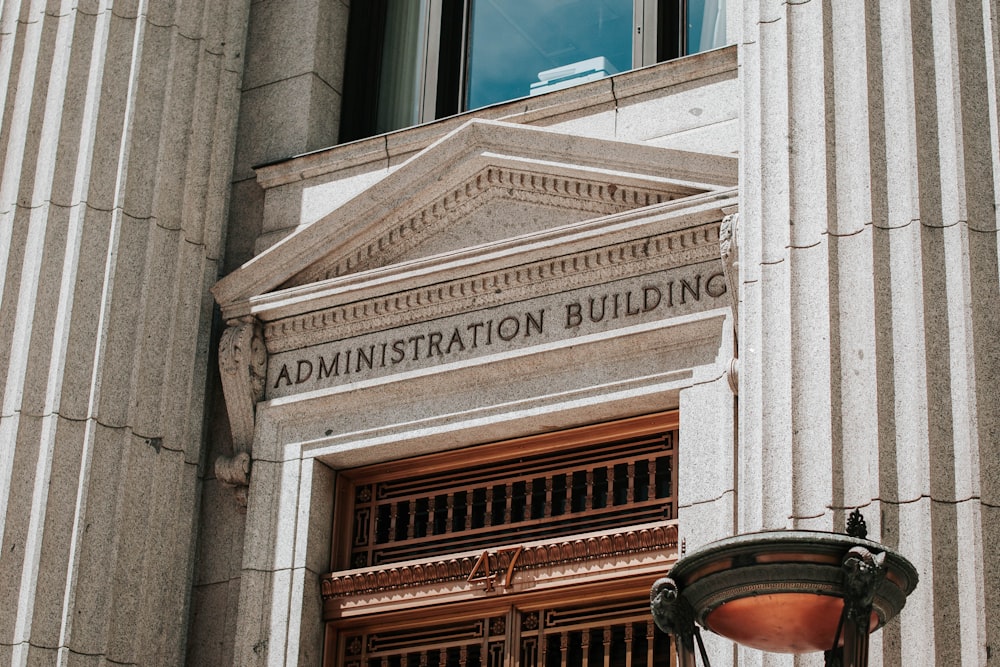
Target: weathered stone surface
113	129
869	308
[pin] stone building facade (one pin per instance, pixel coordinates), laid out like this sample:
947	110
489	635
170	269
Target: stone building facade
777	258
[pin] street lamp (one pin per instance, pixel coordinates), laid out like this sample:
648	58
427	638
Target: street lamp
785	591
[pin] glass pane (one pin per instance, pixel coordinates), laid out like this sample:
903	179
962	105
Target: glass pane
401	76
519	48
706	25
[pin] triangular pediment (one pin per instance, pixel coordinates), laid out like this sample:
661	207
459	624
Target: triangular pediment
483	183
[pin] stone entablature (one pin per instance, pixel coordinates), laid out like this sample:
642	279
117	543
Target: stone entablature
547	289
517	281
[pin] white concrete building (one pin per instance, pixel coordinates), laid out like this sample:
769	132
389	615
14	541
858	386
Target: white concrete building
323	342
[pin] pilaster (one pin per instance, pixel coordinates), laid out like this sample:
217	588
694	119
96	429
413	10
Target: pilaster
868	190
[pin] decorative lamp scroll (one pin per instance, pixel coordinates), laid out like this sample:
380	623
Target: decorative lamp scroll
785	591
243	368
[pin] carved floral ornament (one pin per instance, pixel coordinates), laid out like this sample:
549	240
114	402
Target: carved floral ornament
243	368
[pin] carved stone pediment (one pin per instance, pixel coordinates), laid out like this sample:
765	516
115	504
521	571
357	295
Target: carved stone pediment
483	183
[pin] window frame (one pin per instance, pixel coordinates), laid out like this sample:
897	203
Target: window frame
658	35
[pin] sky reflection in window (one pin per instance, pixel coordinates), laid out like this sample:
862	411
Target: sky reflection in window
512	41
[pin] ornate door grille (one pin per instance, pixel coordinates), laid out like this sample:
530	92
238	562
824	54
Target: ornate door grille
523	498
497	540
611	634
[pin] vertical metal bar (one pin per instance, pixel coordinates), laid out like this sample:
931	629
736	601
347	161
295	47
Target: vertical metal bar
547	509
588	499
856	643
650	639
630	483
411	518
673	476
449	526
685	657
393	518
508	502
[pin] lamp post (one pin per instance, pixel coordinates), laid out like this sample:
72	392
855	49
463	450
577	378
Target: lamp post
785	591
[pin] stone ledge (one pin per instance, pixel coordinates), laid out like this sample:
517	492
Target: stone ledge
381	151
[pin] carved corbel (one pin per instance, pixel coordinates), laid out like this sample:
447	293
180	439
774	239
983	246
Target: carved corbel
243	367
729	249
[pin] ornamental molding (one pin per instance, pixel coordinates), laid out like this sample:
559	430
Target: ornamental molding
395	236
456	570
586	268
243	369
536	179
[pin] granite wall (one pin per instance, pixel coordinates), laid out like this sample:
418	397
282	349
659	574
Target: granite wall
870	318
116	145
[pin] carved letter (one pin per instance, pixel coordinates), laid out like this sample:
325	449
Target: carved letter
283	375
573	316
651	298
715	292
301	377
593	317
530	321
366	359
693	291
629	310
511	332
326	371
456	339
398	351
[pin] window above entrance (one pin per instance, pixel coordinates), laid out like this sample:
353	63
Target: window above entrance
412	61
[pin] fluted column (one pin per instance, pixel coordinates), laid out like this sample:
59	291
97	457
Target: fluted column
871	296
116	143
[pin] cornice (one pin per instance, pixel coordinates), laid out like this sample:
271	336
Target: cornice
592	266
396	236
533	557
